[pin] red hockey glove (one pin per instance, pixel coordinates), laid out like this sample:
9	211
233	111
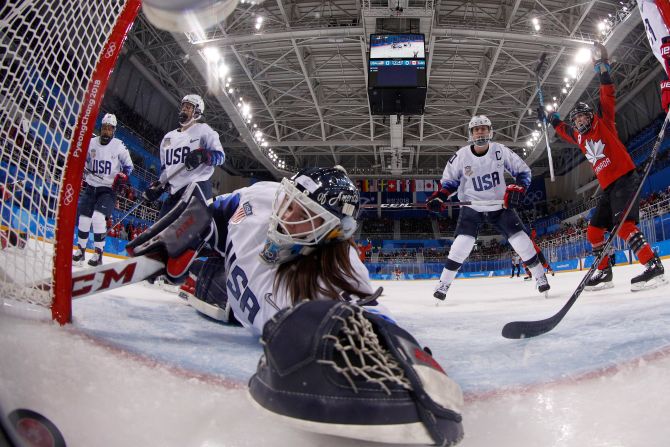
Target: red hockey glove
513	196
665	52
436	201
119	181
665	95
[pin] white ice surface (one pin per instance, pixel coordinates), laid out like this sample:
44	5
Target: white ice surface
140	367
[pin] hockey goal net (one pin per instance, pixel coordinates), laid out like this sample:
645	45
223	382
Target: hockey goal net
56	60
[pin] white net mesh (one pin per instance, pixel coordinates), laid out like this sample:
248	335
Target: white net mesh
49	51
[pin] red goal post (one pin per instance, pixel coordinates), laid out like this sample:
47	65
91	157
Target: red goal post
56	59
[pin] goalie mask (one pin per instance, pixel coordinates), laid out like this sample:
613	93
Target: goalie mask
198	109
584	125
316	206
107	128
480	120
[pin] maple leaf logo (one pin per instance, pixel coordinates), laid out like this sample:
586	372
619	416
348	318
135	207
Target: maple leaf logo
594	151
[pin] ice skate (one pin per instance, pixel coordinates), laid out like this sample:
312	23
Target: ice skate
601	279
527	278
96	260
542	284
79	256
441	291
651	278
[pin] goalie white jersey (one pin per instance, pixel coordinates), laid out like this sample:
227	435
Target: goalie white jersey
242	217
103	162
482	177
176	145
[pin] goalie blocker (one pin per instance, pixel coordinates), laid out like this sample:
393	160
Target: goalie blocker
331	367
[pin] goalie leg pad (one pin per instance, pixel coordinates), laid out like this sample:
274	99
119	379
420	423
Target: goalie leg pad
330	367
179	235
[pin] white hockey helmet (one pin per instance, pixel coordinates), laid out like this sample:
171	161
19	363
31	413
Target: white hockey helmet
110	119
197	103
480	120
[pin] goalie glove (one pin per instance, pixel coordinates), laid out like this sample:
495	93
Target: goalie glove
513	196
177	237
435	202
331	367
210	295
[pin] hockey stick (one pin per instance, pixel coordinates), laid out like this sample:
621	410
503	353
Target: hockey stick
107	277
540	97
401	206
141	202
525	329
88	171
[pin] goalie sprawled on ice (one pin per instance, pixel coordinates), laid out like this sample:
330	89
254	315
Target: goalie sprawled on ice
274	246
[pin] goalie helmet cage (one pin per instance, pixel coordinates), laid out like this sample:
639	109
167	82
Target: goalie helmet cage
56	59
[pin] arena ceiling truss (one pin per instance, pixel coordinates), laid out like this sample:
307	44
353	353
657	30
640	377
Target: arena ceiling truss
304	73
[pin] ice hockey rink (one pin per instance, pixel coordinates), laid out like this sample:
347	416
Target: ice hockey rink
138	366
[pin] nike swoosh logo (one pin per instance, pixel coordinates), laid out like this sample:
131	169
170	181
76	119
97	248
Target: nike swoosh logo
197	139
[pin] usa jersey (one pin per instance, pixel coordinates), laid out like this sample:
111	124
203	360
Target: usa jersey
482	177
176	145
103	162
242	220
655	25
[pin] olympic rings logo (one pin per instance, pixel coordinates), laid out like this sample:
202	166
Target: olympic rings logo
533	197
110	50
69	194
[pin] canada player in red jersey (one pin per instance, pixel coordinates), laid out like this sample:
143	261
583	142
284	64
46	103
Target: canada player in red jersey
597	138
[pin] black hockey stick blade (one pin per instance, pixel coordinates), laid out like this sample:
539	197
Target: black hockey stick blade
540	63
527	329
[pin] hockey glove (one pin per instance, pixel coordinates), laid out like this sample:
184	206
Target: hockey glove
119	182
435	202
210	295
179	235
600	59
154	192
197	158
665	95
513	196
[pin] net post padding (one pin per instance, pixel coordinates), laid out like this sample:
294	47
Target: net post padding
68	196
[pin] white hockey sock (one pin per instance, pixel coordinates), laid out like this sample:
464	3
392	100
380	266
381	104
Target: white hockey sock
99	230
537	270
448	276
522	244
83	227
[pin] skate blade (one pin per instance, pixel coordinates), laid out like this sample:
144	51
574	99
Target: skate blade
601	286
648	285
